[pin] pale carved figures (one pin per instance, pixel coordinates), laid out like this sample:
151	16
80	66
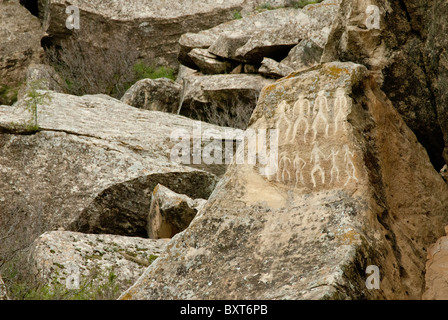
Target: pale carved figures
328	164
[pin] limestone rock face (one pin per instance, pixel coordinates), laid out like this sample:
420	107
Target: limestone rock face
150	28
225	100
92	165
160	94
20	35
309	220
437	270
403	45
170	212
72	258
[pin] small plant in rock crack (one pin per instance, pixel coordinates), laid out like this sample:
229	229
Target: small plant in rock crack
33	98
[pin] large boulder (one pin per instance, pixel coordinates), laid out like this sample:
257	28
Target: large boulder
91	166
20	35
69	260
225	100
402	41
346	191
160	94
268	34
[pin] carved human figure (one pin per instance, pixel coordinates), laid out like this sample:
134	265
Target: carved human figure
321	118
334	166
340	109
283	171
349	166
299	164
316	154
281	119
302	109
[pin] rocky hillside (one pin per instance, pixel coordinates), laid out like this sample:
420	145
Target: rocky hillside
239	149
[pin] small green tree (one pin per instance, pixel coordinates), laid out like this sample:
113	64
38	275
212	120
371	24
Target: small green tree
32	100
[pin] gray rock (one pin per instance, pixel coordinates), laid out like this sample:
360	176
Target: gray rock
272	68
208	62
304	55
267	34
149	28
225	100
74	260
170	212
160	94
92	165
228	43
20	35
335	200
396	51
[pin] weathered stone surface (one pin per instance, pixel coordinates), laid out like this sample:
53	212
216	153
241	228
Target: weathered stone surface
208	62
75	258
228	42
225	100
160	94
436	67
337	197
272	68
20	35
42	77
267	34
149	28
436	276
170	212
93	165
304	55
396	50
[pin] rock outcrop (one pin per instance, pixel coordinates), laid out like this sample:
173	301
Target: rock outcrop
148	28
269	34
336	198
91	166
160	94
170	212
437	270
401	41
73	259
225	100
20	35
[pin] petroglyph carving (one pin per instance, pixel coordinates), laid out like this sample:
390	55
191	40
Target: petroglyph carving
282	120
283	174
317	168
321	118
340	109
302	109
349	166
299	164
334	166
